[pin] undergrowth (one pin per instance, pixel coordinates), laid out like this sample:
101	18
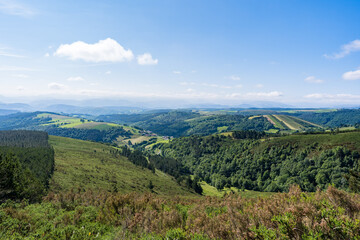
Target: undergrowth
330	214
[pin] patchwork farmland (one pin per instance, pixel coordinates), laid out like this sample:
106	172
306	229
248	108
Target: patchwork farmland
290	123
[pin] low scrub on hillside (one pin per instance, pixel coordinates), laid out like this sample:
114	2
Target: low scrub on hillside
331	214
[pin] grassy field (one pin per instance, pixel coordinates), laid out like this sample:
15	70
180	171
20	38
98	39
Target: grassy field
285	122
350	140
88	165
272	131
61	121
309	110
74	122
278	124
209	190
222	129
290	123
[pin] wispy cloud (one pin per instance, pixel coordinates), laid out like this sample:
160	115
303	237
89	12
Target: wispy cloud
346	49
234	78
5	53
56	86
20	88
76	79
187	83
15	8
20	76
265	94
176	72
340	97
351	75
107	50
146	59
259	85
15	68
312	79
220	86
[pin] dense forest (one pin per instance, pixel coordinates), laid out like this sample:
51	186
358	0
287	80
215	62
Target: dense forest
339	118
105	136
311	161
26	164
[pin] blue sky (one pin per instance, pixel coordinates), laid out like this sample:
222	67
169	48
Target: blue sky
303	53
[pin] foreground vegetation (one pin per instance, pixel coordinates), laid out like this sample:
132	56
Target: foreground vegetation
332	214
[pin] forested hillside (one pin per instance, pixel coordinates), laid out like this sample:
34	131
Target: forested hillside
270	164
341	117
26	164
186	123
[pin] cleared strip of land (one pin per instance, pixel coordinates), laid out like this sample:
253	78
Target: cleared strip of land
277	123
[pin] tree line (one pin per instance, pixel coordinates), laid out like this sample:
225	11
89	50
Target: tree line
26	164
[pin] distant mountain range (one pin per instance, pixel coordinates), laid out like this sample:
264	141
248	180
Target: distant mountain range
98	107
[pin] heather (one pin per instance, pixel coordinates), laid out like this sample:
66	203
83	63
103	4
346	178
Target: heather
329	214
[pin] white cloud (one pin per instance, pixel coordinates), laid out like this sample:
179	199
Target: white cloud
259	85
346	49
312	79
47	55
351	75
76	79
210	85
234	78
176	72
20	88
56	86
265	94
107	50
187	83
340	97
190	90
108	72
146	59
13	8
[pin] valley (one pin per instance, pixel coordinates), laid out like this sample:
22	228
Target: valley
106	176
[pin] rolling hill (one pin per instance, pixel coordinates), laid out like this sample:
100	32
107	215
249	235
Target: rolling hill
88	165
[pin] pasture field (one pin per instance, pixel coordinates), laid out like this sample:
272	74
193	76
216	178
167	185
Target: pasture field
290	123
285	122
211	191
309	110
350	140
278	124
61	121
74	122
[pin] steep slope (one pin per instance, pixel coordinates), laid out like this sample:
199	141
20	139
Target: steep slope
88	165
